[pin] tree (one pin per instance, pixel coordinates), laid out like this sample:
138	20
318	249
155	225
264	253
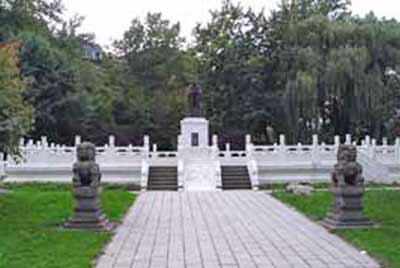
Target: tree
49	76
311	67
158	71
152	51
70	95
15	113
29	15
233	51
340	63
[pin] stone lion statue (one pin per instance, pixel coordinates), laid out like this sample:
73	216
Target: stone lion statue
86	190
347	171
86	171
347	190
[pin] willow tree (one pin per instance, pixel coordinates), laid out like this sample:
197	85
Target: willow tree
336	73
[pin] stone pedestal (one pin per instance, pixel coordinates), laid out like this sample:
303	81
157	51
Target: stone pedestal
87	212
347	209
194	132
199	158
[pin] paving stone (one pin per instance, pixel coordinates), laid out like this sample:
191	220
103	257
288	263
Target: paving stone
238	229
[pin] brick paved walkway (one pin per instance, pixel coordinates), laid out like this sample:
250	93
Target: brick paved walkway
224	229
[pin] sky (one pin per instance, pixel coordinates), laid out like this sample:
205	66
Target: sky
109	19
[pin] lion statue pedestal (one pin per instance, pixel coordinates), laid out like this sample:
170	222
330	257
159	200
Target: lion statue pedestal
86	189
348	190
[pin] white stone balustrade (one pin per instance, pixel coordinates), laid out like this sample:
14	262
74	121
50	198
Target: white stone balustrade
39	155
299	162
144	175
218	174
163	158
42	161
266	164
181	174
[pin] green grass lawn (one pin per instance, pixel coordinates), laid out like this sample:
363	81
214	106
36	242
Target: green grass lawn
29	232
381	206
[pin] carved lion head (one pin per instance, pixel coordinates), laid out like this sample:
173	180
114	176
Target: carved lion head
86	152
347	153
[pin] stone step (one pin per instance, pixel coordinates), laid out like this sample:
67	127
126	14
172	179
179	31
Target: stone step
228	182
155	172
163	175
229	179
234	170
237	187
235	175
162	188
234	167
163	179
240	185
156	183
162	168
235	178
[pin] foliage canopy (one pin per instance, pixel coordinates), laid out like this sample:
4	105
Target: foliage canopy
311	67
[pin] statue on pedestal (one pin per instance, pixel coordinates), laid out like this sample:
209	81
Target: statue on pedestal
195	101
86	190
348	190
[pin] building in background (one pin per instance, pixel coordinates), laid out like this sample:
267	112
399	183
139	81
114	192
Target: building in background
93	52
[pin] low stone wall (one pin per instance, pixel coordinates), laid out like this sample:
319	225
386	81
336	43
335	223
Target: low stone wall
278	163
47	162
63	174
313	163
290	174
310	174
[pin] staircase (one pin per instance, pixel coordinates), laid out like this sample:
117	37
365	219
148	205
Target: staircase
235	178
163	179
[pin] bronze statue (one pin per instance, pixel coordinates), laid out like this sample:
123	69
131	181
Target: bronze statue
195	102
